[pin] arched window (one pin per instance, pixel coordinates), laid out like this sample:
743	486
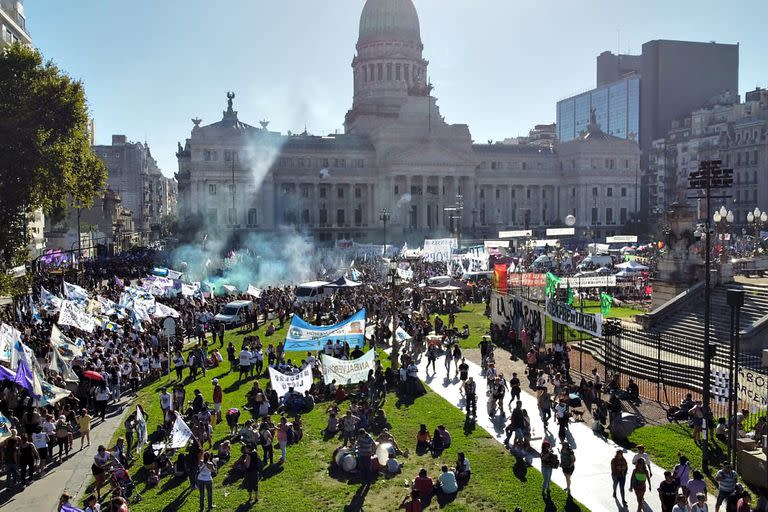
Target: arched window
253	217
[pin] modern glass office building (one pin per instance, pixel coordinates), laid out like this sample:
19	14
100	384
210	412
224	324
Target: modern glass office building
616	105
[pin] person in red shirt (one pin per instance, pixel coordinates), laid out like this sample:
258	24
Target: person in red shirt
413	504
423	484
744	503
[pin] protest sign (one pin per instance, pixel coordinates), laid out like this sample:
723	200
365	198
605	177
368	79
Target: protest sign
588	282
300	382
439	249
562	313
347	372
73	316
303	336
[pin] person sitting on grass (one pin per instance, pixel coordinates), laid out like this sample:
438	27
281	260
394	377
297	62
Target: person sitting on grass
387	437
225	449
463	470
393	467
446	482
423	439
423	484
412	502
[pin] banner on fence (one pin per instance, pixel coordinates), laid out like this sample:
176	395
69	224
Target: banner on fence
562	313
588	282
300	382
303	336
347	372
520	233
517	312
439	249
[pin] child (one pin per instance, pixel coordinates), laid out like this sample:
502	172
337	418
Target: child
393	467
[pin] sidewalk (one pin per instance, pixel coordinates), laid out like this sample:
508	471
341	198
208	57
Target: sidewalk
73	474
591	482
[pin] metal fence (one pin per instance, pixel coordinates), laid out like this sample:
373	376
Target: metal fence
666	368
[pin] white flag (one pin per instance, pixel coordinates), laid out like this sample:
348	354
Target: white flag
180	433
8	338
402	335
62	367
253	291
163	311
141	430
74	292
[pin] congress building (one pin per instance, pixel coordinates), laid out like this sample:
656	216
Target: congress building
399	170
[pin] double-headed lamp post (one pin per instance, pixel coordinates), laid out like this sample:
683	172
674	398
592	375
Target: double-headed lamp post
757	219
723	219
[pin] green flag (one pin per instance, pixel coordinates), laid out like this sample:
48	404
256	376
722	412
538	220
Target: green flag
606	303
551	287
570	293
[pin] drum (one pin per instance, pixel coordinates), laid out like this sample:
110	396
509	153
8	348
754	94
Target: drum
349	463
383	451
340	453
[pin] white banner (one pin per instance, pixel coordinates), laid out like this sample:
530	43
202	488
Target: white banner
490	244
402	335
348	372
561	231
562	313
19	271
254	292
300	382
71	315
621	239
588	282
520	233
439	249
180	433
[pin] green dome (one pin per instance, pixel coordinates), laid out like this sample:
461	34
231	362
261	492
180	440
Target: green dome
389	20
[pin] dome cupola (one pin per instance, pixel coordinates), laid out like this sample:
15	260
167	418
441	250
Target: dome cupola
389	20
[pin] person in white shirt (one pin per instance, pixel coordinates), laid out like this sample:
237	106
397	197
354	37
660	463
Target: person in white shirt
166	400
244	363
641	454
393	466
254	362
40	442
91	504
447	481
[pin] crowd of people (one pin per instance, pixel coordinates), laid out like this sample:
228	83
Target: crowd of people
130	356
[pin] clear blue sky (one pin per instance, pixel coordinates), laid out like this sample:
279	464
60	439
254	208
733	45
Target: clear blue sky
149	66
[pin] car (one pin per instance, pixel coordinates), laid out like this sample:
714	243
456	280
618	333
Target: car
234	313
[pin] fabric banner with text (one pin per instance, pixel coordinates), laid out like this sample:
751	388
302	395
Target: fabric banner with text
562	313
588	282
348	372
300	382
303	336
73	316
180	433
439	249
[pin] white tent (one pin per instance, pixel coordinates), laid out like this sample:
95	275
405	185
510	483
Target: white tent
632	266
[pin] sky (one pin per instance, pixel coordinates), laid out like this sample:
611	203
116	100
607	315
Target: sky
500	66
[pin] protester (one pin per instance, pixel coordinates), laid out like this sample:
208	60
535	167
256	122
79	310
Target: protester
568	464
446	482
639	481
668	492
253	468
549	461
205	473
619	474
726	484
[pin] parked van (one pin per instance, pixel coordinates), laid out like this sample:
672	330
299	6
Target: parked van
235	313
312	291
595	261
543	263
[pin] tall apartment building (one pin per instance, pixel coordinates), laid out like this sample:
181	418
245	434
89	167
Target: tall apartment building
734	132
13	24
135	176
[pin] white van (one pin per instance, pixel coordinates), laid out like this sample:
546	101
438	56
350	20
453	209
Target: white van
312	291
234	313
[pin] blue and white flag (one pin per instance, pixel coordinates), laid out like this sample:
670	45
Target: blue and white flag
49	300
73	316
70	508
74	292
5	428
26	376
8	338
303	336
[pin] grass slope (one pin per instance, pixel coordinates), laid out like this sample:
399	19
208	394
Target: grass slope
305	482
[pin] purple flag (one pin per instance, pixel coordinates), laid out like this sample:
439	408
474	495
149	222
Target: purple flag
69	508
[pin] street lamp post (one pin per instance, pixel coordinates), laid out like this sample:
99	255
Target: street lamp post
710	175
384	216
723	219
757	219
455	214
735	300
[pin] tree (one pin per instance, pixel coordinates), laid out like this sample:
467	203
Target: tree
46	159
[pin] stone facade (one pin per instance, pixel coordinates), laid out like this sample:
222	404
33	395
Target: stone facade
732	131
398	154
135	176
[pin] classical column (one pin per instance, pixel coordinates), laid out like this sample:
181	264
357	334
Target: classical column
407	206
440	200
424	224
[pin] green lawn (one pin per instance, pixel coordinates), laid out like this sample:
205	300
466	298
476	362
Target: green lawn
305	482
473	316
591	306
666	443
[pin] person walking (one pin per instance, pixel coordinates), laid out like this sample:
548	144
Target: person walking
218	398
470	392
549	462
638	482
28	459
700	504
282	438
11	458
726	483
568	463
205	473
265	440
84	425
619	474
545	406
668	492
681	504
